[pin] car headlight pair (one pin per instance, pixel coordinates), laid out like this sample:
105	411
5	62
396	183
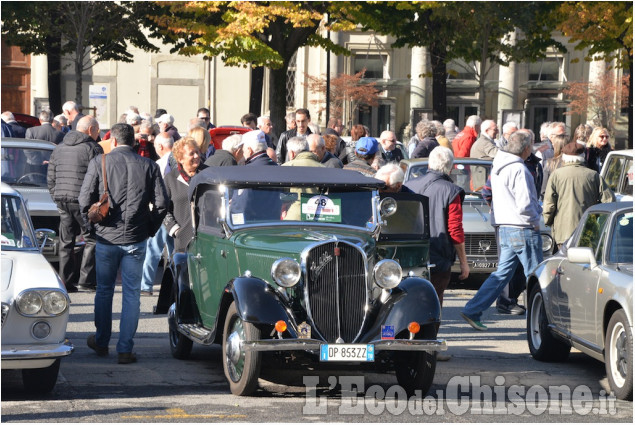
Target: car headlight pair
35	302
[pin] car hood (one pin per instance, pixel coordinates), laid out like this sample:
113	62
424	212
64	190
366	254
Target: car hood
23	270
476	218
38	200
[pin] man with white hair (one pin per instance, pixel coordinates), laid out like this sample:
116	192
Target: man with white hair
266	126
154	248
255	149
388	147
485	145
72	114
450	129
229	155
166	122
462	143
45	130
393	176
447	238
318	147
508	128
60	123
16	129
299	153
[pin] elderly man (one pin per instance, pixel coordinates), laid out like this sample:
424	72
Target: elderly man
66	170
166	125
45	130
450	129
388	147
443	141
462	143
365	150
255	149
72	114
231	154
509	128
290	120
60	123
516	211
302	118
318	147
300	155
485	146
428	131
16	129
393	176
266	126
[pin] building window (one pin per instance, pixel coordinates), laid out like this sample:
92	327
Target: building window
374	65
291	81
547	69
459	70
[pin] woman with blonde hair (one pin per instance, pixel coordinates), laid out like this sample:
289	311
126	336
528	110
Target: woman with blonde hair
203	139
598	148
554	163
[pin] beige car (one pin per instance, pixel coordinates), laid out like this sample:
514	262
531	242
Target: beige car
582	296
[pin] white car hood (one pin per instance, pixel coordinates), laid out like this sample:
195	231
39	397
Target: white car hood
26	269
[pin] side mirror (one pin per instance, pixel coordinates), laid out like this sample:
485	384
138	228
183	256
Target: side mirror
44	235
582	255
387	207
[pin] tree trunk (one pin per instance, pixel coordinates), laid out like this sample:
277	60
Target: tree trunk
255	92
629	140
78	84
278	98
439	77
54	63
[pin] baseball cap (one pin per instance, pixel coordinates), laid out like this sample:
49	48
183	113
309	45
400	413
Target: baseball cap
254	136
366	146
166	118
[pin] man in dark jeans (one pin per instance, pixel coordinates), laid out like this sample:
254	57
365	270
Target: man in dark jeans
66	170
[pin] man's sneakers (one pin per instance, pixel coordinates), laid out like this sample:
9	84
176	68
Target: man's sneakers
474	323
511	308
92	344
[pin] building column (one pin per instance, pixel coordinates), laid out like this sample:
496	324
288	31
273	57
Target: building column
39	84
507	89
420	94
597	71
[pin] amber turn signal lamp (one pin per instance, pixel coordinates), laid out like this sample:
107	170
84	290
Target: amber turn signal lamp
414	327
281	326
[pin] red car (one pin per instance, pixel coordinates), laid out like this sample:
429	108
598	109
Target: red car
221	133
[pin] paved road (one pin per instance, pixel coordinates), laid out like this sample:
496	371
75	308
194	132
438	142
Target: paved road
161	389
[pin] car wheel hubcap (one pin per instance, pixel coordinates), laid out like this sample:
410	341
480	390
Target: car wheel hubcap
618	355
536	313
235	358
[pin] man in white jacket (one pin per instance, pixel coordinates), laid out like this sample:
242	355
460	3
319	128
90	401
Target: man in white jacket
515	209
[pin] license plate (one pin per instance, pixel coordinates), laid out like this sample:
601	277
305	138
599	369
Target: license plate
484	265
347	353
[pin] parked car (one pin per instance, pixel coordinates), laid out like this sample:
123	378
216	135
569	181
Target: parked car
582	297
309	267
24	167
26	121
219	134
480	239
617	171
35	305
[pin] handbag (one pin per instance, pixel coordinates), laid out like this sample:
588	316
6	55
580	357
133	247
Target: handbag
100	209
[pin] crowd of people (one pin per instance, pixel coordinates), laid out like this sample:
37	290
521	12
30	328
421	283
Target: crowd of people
149	163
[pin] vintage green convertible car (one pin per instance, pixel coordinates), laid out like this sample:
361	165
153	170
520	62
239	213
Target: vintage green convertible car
305	263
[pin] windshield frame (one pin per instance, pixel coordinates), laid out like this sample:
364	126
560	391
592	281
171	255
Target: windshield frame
21	217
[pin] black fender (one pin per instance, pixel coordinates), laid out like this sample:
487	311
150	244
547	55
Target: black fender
258	303
175	288
414	300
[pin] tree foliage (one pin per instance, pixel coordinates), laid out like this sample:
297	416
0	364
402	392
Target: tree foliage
595	99
87	32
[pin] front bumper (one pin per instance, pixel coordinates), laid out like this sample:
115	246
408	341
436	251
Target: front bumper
314	345
18	353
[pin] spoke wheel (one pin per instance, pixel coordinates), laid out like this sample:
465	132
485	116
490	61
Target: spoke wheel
618	356
242	368
542	344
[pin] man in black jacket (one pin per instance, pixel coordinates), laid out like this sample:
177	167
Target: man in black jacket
302	119
138	204
45	131
66	170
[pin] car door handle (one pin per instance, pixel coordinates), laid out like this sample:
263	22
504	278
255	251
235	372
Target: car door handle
198	257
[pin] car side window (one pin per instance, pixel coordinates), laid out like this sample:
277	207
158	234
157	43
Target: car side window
591	236
621	249
210	206
614	172
627	179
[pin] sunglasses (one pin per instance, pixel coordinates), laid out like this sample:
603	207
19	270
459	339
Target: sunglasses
604	137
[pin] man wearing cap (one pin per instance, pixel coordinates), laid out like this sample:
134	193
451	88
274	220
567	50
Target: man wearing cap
365	151
255	149
572	189
166	122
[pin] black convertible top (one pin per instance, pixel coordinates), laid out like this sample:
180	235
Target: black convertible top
275	176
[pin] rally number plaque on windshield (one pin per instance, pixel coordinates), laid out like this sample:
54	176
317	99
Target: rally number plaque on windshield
347	353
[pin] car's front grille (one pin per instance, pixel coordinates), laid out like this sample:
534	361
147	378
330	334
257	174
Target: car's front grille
336	286
481	244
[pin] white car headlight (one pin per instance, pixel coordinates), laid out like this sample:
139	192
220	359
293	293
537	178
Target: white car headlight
387	273
286	272
547	243
29	303
55	303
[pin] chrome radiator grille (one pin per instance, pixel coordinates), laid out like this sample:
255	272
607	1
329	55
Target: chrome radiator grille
476	244
336	289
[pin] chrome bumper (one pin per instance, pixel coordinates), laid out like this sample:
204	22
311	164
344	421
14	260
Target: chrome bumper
35	352
314	344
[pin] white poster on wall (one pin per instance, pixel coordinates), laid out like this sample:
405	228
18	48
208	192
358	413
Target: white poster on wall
98	99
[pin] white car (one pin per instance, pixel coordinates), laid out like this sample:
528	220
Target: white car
35	305
617	171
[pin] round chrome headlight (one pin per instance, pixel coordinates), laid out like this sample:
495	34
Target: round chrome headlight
55	303
387	207
29	303
387	274
547	243
286	272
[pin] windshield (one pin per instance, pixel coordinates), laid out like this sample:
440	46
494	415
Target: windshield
471	177
25	166
17	233
307	205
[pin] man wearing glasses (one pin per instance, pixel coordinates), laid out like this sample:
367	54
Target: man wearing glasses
204	114
389	150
